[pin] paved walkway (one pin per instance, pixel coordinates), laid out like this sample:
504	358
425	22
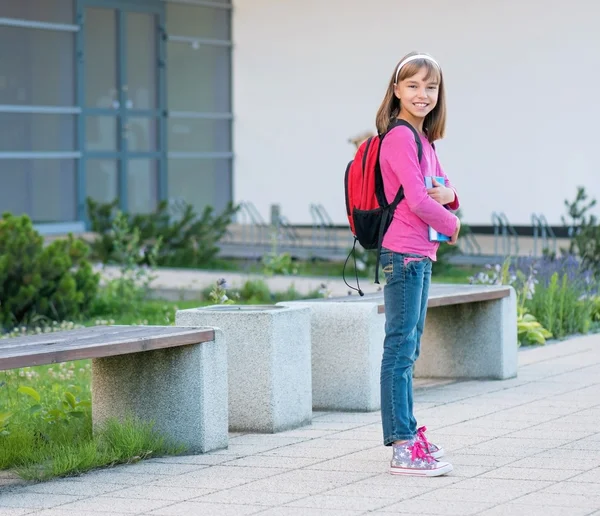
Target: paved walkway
188	283
528	446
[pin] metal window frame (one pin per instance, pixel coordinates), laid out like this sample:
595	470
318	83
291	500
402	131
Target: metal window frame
39	110
199	115
199	155
123	155
41	155
203	3
29	24
191	40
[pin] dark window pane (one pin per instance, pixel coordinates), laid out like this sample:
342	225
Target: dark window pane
142	185
51	11
37	67
33	132
199	135
101	58
43	189
198	79
199	22
200	182
101	179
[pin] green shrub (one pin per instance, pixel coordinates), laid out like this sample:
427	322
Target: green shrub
559	307
585	241
126	293
187	240
41	284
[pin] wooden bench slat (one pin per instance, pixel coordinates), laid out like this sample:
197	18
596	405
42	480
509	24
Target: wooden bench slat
67	336
93	343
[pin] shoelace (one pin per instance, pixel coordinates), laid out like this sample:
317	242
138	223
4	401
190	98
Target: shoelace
421	435
418	452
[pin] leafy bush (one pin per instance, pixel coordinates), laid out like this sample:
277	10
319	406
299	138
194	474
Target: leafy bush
186	239
585	230
126	293
41	284
556	292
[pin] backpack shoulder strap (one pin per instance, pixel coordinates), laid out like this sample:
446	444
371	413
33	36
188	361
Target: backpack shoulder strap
398	122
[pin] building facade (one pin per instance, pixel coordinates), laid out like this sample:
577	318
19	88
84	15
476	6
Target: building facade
113	99
143	100
520	79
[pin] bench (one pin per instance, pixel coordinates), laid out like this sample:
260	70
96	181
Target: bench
470	332
176	377
269	363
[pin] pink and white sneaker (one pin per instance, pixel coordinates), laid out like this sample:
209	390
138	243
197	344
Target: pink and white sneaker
410	458
435	451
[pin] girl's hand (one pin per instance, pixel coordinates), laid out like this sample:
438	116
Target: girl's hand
441	193
454	236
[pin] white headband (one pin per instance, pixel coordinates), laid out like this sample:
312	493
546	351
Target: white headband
413	58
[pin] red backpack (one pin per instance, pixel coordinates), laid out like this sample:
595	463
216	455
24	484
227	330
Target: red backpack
369	213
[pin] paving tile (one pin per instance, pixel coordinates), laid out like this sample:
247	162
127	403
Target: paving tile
374	491
283	485
416	506
66	487
247	497
34	500
265	439
5	511
515	509
558	463
398	482
173	493
308	452
88	512
113	504
592	476
454	494
265	461
303	511
206	459
161	468
509	472
573	488
206	509
561	500
305	475
109	476
492	461
344	464
206	482
353	503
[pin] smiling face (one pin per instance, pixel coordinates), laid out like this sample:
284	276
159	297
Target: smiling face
418	94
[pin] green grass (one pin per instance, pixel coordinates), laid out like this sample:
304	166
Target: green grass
46	425
45	411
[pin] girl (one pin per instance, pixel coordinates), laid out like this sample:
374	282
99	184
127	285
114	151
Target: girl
415	95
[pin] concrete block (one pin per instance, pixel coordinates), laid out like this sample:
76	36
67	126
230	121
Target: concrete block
269	364
347	343
471	340
182	389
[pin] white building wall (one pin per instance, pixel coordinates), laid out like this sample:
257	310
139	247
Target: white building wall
522	83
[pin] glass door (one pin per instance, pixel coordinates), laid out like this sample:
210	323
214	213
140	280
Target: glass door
122	120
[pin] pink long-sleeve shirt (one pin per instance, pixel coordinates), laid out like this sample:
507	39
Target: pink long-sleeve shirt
408	232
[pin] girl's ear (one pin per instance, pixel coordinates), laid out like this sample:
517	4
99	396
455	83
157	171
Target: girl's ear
397	91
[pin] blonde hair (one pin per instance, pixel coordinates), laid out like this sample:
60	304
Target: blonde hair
434	125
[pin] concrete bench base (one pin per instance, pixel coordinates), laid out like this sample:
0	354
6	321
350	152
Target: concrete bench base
347	340
269	363
182	389
470	340
470	332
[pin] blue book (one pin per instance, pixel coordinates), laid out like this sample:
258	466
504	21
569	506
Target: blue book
434	236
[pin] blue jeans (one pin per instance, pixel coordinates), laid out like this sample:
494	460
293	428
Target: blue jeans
407	287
